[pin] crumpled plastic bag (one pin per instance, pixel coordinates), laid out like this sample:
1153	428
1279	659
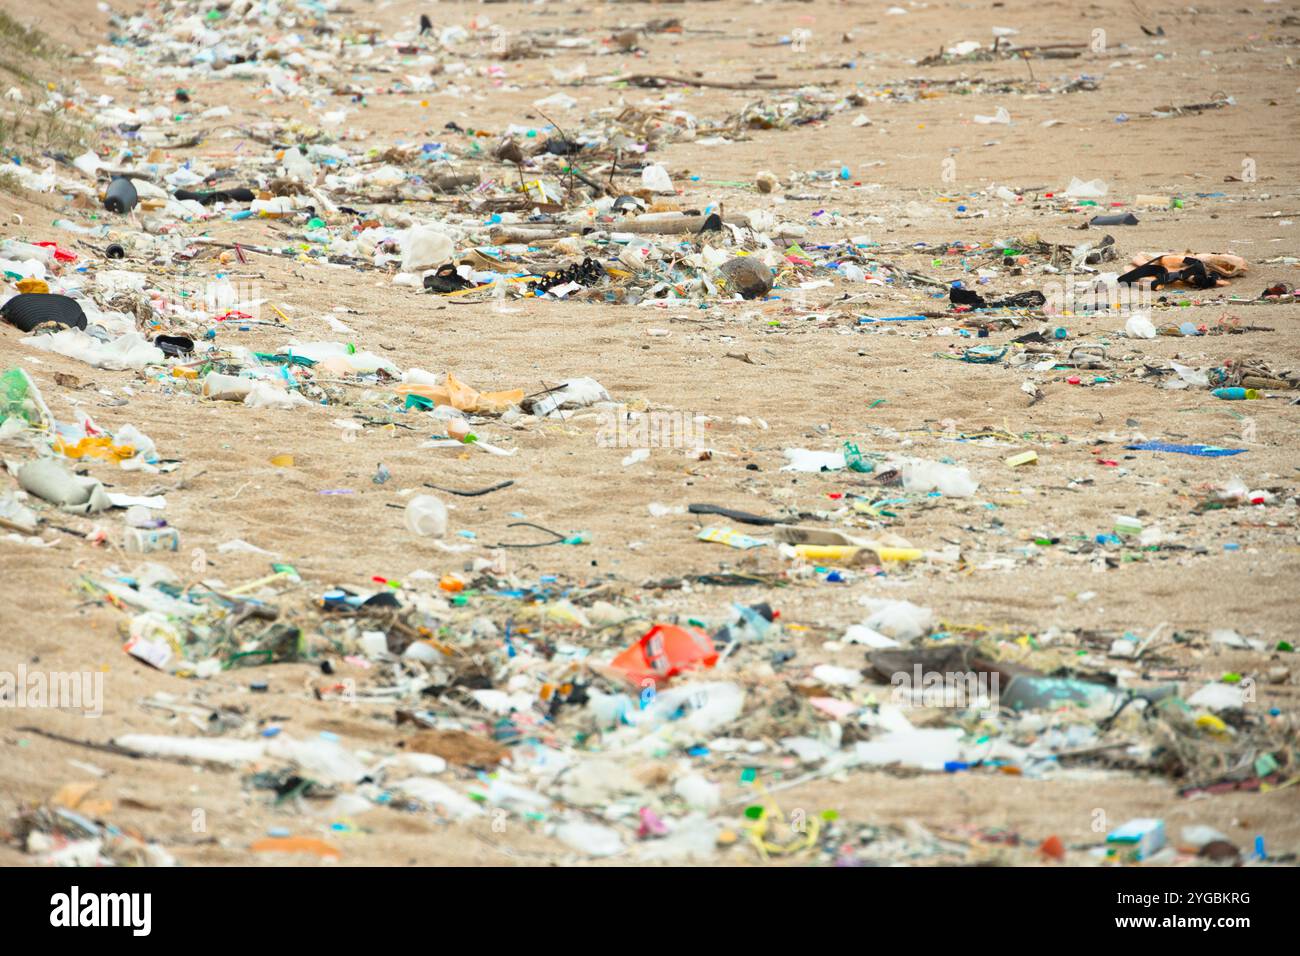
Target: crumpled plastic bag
574	393
901	620
1092	189
1140	326
920	476
266	395
49	481
804	459
656	179
458	395
129	351
41	182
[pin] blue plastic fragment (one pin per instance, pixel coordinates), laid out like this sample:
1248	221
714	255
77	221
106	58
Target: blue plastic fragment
1202	451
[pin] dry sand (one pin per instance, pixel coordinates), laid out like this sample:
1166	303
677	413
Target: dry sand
815	383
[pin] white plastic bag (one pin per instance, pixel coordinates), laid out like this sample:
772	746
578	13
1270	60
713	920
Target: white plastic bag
901	620
425	247
266	395
130	351
920	477
1139	326
1078	189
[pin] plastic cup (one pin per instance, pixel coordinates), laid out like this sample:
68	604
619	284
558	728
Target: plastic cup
426	516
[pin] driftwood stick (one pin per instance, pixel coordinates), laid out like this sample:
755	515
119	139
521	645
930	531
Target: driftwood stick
638	78
677	226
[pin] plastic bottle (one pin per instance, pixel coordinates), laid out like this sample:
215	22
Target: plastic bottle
751	623
331	353
426	516
272	208
1115	219
146	540
454	421
18	250
229	388
121	196
634	256
1235	394
79	229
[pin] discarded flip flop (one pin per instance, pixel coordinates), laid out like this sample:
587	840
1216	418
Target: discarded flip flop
341	599
586	273
1117	219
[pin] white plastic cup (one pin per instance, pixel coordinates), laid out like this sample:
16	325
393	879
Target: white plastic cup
426	516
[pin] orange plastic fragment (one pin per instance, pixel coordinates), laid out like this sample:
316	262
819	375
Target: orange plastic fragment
458	395
297	845
1053	848
665	651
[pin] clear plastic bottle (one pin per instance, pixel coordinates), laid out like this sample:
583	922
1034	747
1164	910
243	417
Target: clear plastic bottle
79	229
